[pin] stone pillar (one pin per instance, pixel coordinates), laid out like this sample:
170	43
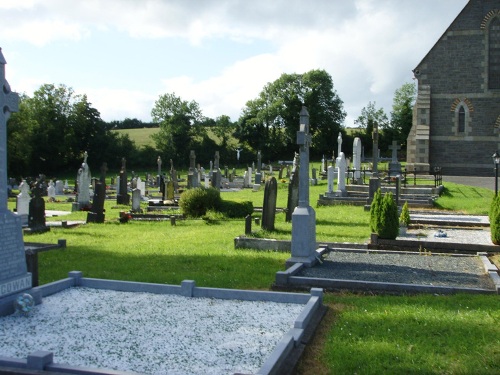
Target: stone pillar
303	217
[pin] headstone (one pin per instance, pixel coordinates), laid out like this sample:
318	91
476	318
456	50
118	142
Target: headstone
246	182
136	200
23	199
84	180
173	176
330	177
293	189
141	185
14	277
51	191
162	187
158	162
216	174
341	169
66	185
339	143
357	161
59	187
394	165
96	213
303	217
375	150
123	197
259	162
170	190
269	204
192	178
36	216
314	178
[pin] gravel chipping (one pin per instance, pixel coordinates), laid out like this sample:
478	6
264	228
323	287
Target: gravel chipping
149	333
404	268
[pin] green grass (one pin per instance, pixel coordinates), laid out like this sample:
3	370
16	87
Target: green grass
141	137
361	334
422	334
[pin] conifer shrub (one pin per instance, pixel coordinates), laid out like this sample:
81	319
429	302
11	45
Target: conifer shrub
195	202
384	219
494	216
389	220
404	217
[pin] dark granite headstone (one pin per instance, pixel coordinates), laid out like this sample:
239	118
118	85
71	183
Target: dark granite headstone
36	215
96	214
269	204
123	197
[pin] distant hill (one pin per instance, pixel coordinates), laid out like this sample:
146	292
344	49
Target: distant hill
141	137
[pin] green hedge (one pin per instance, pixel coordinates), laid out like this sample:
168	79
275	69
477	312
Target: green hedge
384	219
494	215
195	202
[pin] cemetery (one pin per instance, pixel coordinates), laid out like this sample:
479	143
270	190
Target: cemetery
136	254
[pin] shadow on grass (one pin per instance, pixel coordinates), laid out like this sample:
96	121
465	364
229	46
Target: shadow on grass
236	269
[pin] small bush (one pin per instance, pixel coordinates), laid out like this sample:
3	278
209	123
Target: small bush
494	216
389	220
404	218
236	209
195	202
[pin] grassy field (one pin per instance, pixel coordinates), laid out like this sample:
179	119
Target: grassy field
362	334
141	137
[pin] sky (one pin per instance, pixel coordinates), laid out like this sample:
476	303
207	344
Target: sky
124	54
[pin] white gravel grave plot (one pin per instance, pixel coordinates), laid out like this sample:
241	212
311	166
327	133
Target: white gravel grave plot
149	333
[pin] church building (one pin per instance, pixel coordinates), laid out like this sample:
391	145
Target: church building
456	118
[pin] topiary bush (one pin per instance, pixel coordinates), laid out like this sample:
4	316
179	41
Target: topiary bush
195	202
375	211
494	216
404	218
389	220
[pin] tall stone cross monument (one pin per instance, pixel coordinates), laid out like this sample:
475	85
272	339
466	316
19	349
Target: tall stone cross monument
14	277
303	217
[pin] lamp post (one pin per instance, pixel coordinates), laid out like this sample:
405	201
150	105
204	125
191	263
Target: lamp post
496	160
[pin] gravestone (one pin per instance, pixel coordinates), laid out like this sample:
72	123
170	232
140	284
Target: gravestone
303	217
375	150
123	197
84	180
96	213
192	178
51	191
36	216
339	143
170	190
357	161
330	177
394	165
158	176
23	199
173	176
14	277
341	169
293	189
314	178
141	185
216	173
136	200
59	187
258	173
269	204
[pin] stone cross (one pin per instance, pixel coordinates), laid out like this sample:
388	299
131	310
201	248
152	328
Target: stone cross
357	159
9	103
192	160
394	148
158	161
304	141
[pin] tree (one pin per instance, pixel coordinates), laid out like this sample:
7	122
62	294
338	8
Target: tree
223	128
270	122
402	112
180	123
371	116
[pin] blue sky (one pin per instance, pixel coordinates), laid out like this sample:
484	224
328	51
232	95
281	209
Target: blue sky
124	54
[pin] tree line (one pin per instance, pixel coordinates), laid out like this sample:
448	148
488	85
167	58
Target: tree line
54	127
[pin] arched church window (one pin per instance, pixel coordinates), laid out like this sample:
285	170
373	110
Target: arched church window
461	119
494	54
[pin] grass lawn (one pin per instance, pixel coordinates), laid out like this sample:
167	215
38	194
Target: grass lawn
361	334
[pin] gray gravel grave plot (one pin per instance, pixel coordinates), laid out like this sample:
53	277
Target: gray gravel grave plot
404	268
